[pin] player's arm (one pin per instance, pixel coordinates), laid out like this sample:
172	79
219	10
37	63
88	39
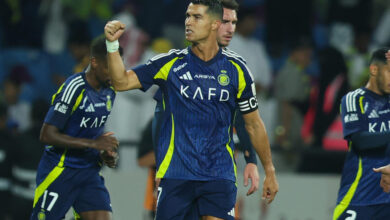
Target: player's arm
365	140
122	80
258	135
250	171
51	135
355	125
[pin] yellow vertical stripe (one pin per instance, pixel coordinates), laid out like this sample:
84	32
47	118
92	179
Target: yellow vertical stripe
231	153
168	156
58	91
340	208
53	175
163	100
361	104
241	79
78	100
164	71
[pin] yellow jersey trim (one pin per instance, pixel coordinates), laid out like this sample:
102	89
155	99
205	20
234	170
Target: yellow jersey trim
168	156
340	208
164	71
231	153
55	95
53	175
78	101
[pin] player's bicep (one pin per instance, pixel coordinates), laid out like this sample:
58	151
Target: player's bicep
132	82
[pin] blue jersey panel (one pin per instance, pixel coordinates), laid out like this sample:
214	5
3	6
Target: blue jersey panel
80	111
199	103
363	110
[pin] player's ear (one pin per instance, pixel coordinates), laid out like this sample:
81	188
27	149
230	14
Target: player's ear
215	25
374	70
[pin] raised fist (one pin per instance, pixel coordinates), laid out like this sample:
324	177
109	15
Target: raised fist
113	30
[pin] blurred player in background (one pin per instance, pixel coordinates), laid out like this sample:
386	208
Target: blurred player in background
68	173
366	116
201	86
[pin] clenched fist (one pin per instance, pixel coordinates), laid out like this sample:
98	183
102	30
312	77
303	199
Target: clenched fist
113	30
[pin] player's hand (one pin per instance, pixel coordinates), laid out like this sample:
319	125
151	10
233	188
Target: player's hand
270	187
251	172
106	142
110	158
113	30
385	177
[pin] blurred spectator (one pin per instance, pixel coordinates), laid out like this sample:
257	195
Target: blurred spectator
133	41
18	110
146	158
251	49
24	170
381	35
286	21
255	54
324	109
22	23
6	148
356	13
292	89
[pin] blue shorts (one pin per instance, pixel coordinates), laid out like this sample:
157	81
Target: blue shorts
371	212
188	200
59	188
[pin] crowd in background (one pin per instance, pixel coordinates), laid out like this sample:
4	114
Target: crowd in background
304	56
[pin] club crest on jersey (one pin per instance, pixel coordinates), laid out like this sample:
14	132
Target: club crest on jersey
223	79
109	103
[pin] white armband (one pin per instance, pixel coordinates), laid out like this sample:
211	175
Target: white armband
112	46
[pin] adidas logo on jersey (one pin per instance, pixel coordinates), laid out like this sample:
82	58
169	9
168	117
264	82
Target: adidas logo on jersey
232	213
373	114
186	76
90	108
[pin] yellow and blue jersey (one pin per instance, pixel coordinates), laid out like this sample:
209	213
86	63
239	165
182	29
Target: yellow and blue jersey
199	99
363	111
78	110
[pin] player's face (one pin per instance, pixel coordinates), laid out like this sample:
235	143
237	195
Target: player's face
198	23
228	27
383	79
102	73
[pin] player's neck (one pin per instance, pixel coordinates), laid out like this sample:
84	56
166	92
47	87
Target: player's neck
205	50
91	80
373	87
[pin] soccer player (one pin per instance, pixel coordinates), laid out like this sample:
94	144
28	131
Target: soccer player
68	173
366	116
224	36
201	86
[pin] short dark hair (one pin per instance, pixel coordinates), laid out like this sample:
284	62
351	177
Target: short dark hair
379	56
230	4
215	6
99	48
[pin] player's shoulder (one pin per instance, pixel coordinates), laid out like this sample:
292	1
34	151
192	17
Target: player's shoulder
74	79
72	87
232	55
353	99
173	53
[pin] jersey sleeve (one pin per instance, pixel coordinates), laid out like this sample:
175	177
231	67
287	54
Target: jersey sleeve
246	91
156	70
64	101
352	112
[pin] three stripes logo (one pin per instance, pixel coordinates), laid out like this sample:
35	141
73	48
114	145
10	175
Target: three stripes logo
186	76
373	114
90	108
